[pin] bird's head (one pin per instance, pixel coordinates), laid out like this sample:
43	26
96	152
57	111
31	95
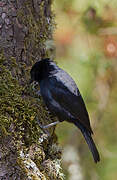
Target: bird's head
41	69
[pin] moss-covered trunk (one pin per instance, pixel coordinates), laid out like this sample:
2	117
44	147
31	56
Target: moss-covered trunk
25	36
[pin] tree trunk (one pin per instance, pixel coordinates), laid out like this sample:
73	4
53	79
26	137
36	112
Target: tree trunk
26	152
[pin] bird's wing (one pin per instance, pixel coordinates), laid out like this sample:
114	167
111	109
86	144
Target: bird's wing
65	92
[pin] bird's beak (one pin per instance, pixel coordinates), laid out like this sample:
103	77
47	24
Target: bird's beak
30	81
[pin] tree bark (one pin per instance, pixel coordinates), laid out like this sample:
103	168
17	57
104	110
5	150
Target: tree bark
26	152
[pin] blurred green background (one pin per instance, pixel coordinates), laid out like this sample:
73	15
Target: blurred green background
86	47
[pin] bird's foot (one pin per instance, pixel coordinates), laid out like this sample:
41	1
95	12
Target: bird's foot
38	93
44	130
51	124
44	127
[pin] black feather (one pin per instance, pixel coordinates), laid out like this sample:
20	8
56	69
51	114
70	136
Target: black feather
89	140
62	97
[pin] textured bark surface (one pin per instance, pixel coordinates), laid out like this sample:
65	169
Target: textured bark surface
26	152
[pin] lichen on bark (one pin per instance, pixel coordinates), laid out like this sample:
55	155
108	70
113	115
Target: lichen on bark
26	152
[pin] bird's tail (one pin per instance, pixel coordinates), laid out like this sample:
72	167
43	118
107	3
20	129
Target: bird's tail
89	140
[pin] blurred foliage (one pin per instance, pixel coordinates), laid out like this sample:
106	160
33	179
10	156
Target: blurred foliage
86	47
93	23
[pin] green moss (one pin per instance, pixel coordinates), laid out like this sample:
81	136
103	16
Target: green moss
18	110
39	31
13	62
27	163
18	119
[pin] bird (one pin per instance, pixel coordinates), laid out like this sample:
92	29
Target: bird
63	99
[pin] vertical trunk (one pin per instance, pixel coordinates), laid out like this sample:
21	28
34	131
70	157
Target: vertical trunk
25	36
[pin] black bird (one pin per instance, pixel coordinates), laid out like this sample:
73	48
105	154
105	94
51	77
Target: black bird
62	97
